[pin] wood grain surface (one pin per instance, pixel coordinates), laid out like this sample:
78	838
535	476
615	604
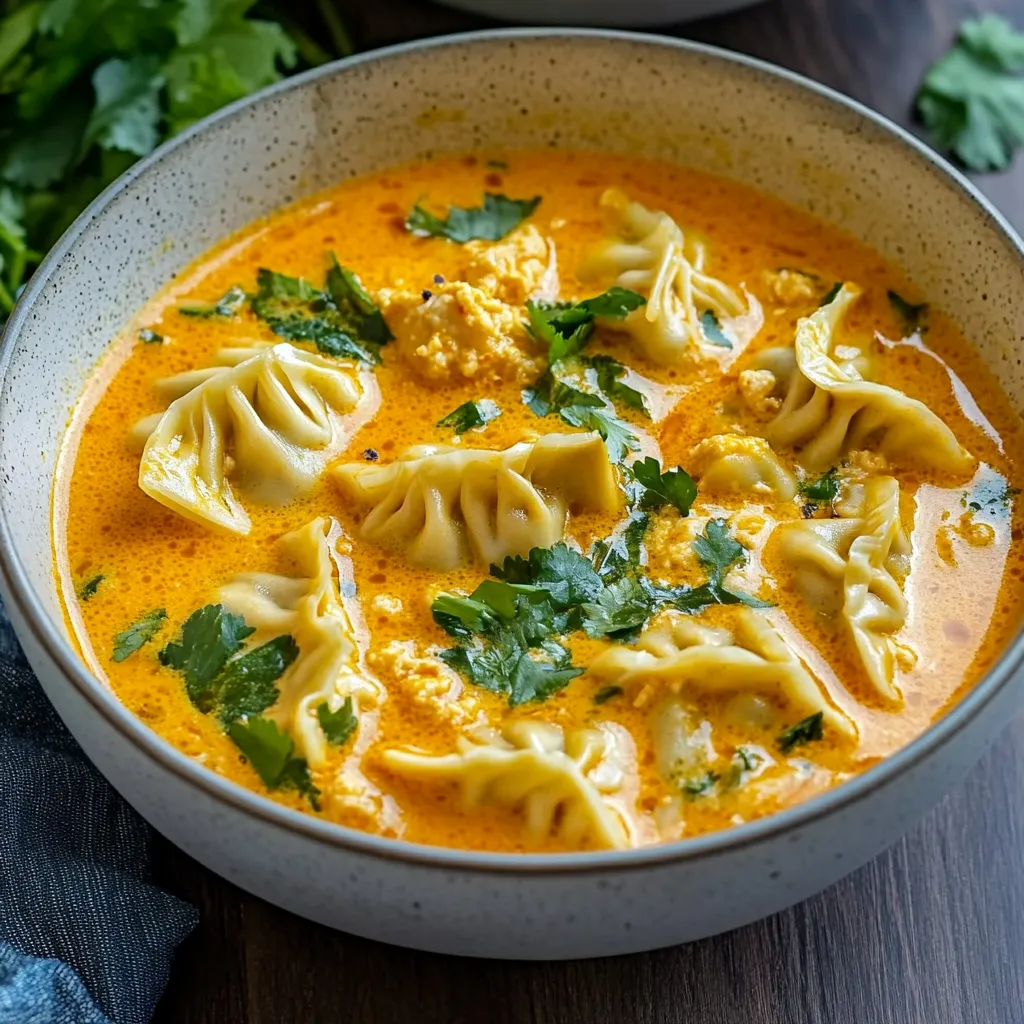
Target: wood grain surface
930	933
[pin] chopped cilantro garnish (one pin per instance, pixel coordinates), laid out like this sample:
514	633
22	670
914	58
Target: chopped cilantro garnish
717	549
462	616
270	751
209	637
832	293
700	786
567	576
805	731
825	488
246	684
566	329
149	337
498	216
341	321
337	725
621	607
514	672
90	586
470	415
617	437
674	487
606	693
623	551
911	315
608	373
972	99
550	394
138	634
227	305
713	329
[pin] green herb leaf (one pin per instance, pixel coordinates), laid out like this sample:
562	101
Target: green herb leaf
90	586
620	608
566	328
911	315
825	488
270	752
148	337
972	99
470	415
567	576
343	321
227	305
514	672
209	637
550	394
608	372
337	725
623	551
807	730
246	684
606	693
498	216
674	487
717	549
617	436
713	329
700	786
830	295
138	634
127	111
462	616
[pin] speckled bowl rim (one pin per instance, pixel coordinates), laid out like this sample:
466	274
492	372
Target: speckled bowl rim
329	834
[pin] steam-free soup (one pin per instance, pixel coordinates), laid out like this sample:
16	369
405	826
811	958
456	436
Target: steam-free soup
540	501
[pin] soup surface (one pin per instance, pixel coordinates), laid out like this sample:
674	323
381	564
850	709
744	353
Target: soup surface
617	503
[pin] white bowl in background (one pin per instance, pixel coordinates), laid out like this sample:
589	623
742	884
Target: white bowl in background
645	95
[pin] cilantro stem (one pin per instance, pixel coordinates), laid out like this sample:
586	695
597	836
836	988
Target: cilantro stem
336	27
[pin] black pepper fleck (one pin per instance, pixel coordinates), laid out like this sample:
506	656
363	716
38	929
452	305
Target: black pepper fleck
427	294
438	279
371	455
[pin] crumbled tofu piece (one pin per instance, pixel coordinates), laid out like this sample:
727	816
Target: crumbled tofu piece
865	463
382	604
521	267
460	331
670	546
757	388
791	286
428	681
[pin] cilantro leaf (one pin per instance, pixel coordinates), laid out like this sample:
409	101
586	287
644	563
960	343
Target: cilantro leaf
337	725
700	786
621	607
566	328
149	337
513	672
807	730
470	415
227	305
606	693
550	394
246	684
717	549
617	436
209	637
830	295
623	551
825	488
139	633
461	616
712	329
674	487
567	576
911	315
270	751
90	586
498	216
127	111
972	99
342	321
609	371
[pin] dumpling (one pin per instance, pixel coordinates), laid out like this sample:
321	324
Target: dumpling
828	409
679	651
310	607
269	425
735	463
521	267
456	331
559	782
653	256
445	506
850	569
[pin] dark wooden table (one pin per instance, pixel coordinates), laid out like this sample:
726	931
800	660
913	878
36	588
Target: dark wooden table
930	933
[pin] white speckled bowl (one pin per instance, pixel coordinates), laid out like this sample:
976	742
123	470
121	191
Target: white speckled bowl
636	94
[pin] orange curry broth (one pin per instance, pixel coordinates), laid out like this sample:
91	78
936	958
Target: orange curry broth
958	621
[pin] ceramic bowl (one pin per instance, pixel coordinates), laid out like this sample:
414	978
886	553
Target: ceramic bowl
623	13
635	94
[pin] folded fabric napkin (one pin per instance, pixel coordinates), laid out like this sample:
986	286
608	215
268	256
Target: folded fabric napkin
84	939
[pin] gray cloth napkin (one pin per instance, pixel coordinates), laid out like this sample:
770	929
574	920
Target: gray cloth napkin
84	939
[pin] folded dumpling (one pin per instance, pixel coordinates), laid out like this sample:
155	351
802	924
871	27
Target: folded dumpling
738	464
559	782
309	606
828	409
444	506
268	425
652	255
851	569
680	652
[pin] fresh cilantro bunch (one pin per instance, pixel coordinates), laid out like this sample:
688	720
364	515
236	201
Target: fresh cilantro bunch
972	99
89	86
